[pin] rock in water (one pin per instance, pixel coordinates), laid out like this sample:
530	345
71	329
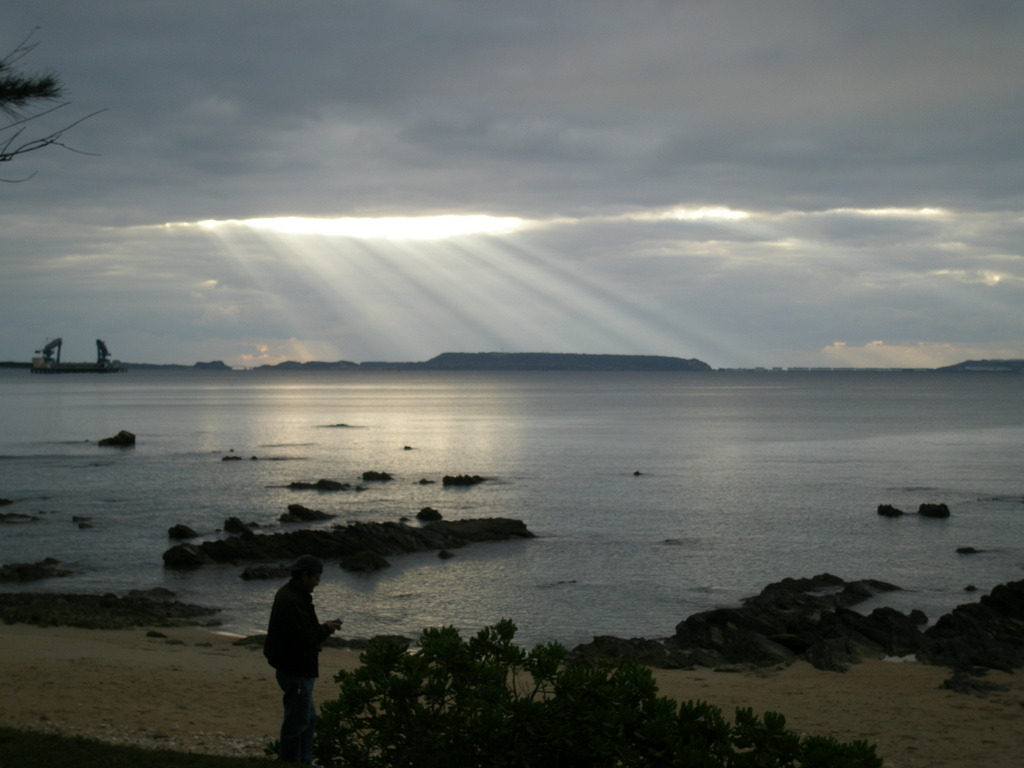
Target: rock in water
122	439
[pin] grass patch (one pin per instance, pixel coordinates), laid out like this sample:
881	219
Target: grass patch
29	749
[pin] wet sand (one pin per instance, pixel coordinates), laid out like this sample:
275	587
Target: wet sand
196	691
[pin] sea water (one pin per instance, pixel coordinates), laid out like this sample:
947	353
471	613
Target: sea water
652	495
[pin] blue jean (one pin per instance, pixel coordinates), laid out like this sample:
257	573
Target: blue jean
299	719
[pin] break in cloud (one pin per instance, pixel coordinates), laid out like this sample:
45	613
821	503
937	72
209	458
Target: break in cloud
779	183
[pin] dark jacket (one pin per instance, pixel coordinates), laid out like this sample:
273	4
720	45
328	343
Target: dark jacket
294	634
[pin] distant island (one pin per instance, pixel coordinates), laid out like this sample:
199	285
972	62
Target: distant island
511	361
544	361
555	361
1010	366
213	365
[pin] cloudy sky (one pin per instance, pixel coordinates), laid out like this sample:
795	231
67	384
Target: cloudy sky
751	183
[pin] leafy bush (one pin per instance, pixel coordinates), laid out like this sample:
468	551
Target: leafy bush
488	702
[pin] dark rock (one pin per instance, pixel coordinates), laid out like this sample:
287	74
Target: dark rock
122	439
970	588
299	514
988	634
445	554
185	556
377	476
17	517
968	551
341	541
44	569
813	619
933	510
834	654
424	481
232	458
888	510
462	479
5	502
258	572
155	593
99	611
971	684
655	653
234	525
363	562
847	637
181	532
320	485
788	619
428	514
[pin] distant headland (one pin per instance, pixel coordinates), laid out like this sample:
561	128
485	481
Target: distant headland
555	361
512	361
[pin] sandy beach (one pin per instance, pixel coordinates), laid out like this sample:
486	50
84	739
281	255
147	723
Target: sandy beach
195	690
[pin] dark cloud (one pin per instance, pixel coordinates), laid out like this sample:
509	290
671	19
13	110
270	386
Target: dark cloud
790	111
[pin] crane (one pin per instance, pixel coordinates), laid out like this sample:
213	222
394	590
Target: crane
47	351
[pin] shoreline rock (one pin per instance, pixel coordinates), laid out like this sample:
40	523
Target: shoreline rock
153	608
123	439
346	541
813	619
43	569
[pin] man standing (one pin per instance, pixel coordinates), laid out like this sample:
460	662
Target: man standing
294	639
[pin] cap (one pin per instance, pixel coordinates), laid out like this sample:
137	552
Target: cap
307	563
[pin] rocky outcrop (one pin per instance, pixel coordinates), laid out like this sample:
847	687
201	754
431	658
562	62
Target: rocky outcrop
44	569
263	572
343	541
299	514
989	633
122	439
235	525
813	619
462	480
794	617
152	608
933	510
428	514
181	531
320	485
17	517
924	510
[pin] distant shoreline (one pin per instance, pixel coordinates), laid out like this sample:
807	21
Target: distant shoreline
553	361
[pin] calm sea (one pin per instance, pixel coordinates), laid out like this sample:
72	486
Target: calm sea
745	478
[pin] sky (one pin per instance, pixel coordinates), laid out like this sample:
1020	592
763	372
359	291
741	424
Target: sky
758	183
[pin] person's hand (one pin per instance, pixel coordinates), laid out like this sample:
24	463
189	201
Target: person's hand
333	625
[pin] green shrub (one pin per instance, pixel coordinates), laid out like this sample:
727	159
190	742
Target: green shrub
488	702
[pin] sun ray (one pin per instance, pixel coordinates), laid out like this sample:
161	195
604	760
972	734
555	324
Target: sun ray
449	282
